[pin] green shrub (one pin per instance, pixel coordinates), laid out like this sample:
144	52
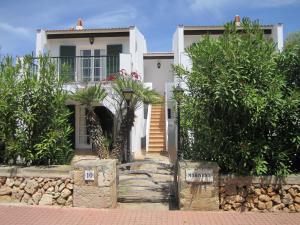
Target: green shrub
33	116
241	109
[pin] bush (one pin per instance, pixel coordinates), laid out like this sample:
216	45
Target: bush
241	109
34	119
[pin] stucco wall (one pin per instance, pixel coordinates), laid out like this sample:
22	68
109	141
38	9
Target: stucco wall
158	76
137	49
53	45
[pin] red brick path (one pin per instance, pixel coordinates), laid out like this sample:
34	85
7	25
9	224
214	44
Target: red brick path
33	215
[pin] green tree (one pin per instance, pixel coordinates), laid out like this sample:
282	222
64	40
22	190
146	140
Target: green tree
34	119
88	96
239	109
292	40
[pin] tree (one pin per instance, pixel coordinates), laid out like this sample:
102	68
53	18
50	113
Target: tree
34	119
87	97
125	118
239	109
292	40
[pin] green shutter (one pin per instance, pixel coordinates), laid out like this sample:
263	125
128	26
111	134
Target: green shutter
113	58
68	61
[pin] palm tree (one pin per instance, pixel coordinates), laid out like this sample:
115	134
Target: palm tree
125	116
87	97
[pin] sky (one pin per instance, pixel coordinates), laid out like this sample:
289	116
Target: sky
156	19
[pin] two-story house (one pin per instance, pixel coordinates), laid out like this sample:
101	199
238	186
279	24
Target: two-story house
92	55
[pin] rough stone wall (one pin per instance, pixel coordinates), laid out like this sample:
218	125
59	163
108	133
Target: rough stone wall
265	194
198	196
37	190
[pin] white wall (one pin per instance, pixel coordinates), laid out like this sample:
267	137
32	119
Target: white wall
158	76
178	44
40	42
125	61
53	45
170	122
277	35
137	48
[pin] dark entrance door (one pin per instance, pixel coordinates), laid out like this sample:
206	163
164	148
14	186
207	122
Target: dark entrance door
113	58
71	121
68	61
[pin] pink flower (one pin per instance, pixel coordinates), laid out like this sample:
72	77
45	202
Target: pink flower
122	71
135	75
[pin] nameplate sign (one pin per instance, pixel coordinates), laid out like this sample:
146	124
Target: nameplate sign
89	175
199	175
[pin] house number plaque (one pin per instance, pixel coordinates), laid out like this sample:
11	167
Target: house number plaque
199	175
89	175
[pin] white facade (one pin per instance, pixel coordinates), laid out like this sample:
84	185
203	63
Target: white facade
130	59
158	70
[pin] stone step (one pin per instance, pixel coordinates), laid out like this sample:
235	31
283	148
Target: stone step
154	136
156	149
156	129
157	123
144	197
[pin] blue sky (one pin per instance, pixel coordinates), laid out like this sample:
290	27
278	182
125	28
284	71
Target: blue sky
157	19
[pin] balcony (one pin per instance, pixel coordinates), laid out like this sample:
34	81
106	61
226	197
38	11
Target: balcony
86	68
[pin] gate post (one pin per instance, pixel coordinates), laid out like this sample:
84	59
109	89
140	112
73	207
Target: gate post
95	184
198	185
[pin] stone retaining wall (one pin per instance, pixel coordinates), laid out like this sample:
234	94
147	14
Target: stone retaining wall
61	185
36	186
268	193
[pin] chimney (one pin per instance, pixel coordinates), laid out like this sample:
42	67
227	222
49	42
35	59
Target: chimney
79	25
237	20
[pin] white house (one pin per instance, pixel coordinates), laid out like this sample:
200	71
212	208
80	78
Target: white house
94	54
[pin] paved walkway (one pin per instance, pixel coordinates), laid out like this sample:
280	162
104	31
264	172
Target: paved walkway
34	215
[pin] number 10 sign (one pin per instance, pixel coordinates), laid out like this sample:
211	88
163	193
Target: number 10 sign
89	175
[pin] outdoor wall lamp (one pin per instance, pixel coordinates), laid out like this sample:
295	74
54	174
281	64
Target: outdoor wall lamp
158	64
128	94
92	39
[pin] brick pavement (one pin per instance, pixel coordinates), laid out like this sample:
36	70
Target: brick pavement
33	215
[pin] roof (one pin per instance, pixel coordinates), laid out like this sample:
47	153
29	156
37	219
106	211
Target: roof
93	30
87	33
218	27
159	55
216	30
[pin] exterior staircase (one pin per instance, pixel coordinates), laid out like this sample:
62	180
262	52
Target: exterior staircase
157	129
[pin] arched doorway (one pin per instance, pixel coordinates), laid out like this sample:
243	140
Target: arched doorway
82	134
106	119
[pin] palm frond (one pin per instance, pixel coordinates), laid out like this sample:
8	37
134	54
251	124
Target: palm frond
90	95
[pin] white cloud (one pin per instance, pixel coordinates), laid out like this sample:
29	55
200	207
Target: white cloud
217	5
25	32
274	3
122	17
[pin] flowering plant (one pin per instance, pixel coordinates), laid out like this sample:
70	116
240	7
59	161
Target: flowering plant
122	73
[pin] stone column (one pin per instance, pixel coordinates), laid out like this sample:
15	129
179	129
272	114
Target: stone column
198	186
95	184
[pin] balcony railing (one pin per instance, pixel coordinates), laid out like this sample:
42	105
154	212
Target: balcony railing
86	68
